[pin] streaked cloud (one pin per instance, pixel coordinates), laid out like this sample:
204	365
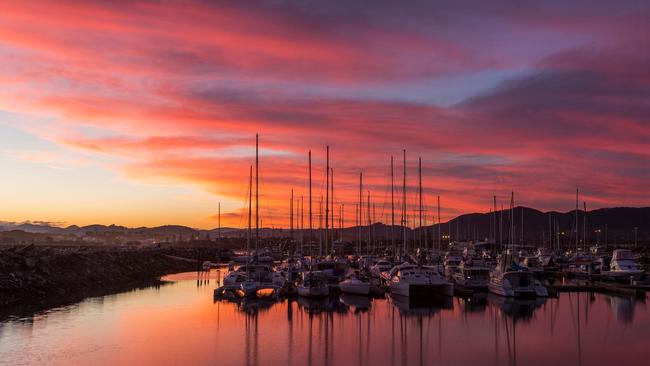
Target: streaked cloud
175	92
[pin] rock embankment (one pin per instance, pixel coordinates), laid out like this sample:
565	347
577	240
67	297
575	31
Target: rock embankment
40	275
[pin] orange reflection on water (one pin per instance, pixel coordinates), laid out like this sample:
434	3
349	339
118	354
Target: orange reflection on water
180	323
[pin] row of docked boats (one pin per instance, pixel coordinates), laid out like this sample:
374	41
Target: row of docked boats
510	276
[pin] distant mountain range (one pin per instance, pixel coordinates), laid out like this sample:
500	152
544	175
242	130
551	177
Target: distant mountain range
617	223
106	229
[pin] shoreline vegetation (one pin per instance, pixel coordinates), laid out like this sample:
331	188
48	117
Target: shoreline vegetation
34	278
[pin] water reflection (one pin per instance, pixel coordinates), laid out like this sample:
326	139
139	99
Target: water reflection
473	304
522	309
180	323
357	302
623	308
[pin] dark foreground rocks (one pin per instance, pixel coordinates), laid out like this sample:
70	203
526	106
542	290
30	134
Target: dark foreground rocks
41	276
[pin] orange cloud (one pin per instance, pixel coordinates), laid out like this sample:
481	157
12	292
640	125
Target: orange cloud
177	92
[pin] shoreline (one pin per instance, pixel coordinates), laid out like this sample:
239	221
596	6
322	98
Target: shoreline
34	278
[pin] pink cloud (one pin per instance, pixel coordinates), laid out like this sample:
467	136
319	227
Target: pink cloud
180	91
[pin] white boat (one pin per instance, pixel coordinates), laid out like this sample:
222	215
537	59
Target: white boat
624	264
234	279
581	264
357	301
313	284
246	280
412	280
355	283
532	263
546	259
511	280
333	270
249	287
441	286
472	275
262	273
367	261
451	263
381	267
469	252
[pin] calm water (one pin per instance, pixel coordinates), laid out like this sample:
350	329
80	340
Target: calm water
179	323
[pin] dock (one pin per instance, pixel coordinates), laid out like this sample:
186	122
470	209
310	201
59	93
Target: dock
604	287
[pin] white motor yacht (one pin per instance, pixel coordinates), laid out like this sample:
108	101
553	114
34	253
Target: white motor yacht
451	263
313	284
531	263
472	275
511	280
381	266
355	283
412	280
624	264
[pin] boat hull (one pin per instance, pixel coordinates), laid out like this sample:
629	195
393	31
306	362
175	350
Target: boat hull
421	290
355	287
623	275
313	291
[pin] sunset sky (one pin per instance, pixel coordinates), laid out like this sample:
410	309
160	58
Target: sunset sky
145	113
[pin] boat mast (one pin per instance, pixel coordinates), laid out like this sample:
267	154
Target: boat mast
512	219
360	211
310	218
501	227
420	193
320	226
392	206
342	221
550	232
374	234
291	217
404	205
219	227
331	247
439	227
250	212
370	243
327	197
494	211
577	220
356	222
257	195
584	227
522	226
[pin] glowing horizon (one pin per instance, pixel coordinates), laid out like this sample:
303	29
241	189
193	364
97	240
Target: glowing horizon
145	114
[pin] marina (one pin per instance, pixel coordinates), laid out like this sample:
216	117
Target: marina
415	268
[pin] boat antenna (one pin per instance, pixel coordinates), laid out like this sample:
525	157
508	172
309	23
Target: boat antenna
250	209
420	193
576	223
439	226
512	219
369	246
392	206
342	219
333	234
291	217
310	218
360	207
584	227
327	197
404	204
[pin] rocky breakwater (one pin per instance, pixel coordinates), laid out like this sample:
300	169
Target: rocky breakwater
41	276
